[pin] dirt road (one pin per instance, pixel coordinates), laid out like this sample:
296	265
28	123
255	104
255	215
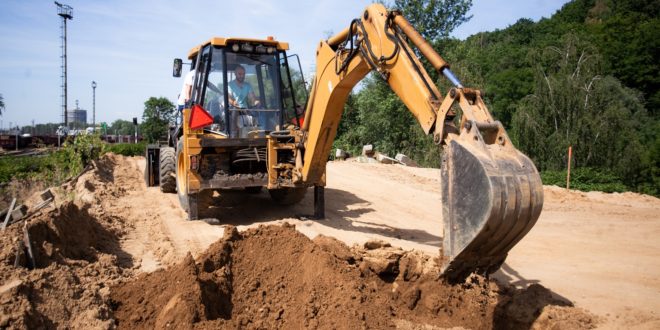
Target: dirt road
597	251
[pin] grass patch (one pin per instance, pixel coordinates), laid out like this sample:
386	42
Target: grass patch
586	179
127	149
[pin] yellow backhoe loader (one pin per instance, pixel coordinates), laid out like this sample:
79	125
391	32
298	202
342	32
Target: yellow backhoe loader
244	129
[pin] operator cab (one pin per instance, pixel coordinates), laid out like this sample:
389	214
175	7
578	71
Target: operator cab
246	86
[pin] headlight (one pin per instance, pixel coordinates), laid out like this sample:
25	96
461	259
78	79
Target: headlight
235	47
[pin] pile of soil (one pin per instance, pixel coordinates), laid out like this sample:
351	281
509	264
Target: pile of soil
76	256
67	285
275	277
266	277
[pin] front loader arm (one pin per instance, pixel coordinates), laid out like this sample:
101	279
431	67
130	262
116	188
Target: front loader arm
491	193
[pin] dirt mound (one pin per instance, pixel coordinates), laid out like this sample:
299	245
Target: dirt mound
76	257
275	277
100	182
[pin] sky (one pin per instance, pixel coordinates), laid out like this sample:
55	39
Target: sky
127	46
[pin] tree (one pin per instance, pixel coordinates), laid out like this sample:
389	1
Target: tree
158	113
574	104
2	104
121	127
435	19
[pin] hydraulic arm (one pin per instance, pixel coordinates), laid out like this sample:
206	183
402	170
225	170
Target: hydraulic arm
491	193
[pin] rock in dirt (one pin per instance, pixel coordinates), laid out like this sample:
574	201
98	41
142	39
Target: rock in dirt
373	244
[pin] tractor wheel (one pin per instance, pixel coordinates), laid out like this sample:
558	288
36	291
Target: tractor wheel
167	170
288	196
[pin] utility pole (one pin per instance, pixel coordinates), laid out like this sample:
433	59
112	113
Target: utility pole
66	12
94	105
135	123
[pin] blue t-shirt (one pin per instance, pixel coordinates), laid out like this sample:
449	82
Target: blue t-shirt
240	94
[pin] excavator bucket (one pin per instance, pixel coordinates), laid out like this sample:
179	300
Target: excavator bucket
492	196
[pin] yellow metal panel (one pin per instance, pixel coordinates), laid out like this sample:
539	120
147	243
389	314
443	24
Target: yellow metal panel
325	109
193	52
193	182
271	162
194	142
404	80
215	41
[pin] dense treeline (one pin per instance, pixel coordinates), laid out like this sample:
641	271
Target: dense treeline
586	77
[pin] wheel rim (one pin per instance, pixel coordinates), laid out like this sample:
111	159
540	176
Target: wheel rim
181	181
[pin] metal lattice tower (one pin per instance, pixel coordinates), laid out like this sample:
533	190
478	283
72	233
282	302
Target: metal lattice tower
66	12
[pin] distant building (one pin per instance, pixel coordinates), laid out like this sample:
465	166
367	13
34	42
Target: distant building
77	115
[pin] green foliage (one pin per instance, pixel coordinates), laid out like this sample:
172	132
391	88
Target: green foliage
586	179
56	166
75	155
158	113
608	109
121	127
435	19
127	149
24	167
573	104
628	35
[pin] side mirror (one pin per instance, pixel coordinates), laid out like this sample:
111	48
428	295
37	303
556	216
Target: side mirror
176	70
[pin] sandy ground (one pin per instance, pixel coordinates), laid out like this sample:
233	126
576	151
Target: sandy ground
599	251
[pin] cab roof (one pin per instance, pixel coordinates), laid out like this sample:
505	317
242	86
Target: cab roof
218	41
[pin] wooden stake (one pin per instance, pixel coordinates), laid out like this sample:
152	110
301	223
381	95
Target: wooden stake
11	208
568	172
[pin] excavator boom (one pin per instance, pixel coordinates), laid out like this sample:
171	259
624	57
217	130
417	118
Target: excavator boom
491	193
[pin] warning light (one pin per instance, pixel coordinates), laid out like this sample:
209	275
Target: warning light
199	117
270	38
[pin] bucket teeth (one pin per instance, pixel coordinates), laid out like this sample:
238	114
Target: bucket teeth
492	197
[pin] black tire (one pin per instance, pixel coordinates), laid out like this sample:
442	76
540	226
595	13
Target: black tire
167	170
287	196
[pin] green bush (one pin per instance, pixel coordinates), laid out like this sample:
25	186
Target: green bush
127	149
25	167
54	167
586	179
75	155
